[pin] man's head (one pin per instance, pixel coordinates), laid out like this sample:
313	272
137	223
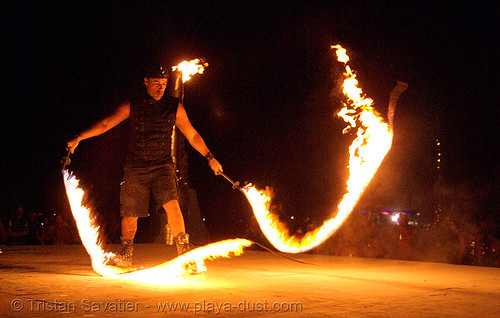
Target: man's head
155	81
155	87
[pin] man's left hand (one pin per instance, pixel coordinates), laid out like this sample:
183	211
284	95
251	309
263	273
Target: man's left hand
216	166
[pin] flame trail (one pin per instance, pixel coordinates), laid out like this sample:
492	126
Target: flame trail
373	141
89	234
87	229
170	271
189	68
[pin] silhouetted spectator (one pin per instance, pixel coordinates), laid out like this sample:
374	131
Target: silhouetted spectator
474	253
493	255
57	232
348	242
18	227
390	240
44	226
3	234
34	229
452	243
371	242
404	236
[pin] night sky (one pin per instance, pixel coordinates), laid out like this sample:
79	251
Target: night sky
265	105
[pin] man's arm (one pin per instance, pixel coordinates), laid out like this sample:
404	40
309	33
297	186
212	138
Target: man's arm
194	138
120	114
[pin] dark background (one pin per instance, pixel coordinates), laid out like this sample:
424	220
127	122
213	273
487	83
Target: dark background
265	105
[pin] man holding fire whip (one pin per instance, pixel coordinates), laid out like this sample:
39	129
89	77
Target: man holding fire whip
149	169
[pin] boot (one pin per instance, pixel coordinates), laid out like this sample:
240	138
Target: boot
124	257
182	244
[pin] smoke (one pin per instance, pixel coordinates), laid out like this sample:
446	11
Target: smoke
459	226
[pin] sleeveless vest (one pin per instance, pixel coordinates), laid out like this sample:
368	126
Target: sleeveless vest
151	125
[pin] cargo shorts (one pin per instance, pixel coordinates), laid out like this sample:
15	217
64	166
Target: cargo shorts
143	186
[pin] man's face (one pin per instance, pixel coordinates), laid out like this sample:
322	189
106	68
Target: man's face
155	87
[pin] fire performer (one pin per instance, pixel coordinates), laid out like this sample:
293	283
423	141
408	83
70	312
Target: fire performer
149	170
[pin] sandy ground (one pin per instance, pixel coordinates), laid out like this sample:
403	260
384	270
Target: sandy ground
52	281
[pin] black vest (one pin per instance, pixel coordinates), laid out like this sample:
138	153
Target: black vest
151	125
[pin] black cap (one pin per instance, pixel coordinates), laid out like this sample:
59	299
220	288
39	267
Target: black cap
157	71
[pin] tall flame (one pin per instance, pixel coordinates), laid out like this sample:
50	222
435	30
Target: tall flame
87	229
163	273
373	141
189	68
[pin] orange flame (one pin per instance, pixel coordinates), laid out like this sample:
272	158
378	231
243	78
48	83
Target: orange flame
170	271
163	273
373	141
189	68
87	229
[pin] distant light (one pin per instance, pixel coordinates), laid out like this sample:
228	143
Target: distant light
395	218
204	219
292	217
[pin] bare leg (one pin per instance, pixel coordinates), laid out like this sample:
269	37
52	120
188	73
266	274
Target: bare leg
175	218
129	227
124	257
181	239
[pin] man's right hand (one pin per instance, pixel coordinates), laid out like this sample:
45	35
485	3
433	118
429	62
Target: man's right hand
72	144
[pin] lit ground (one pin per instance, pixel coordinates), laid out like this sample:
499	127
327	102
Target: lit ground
257	284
